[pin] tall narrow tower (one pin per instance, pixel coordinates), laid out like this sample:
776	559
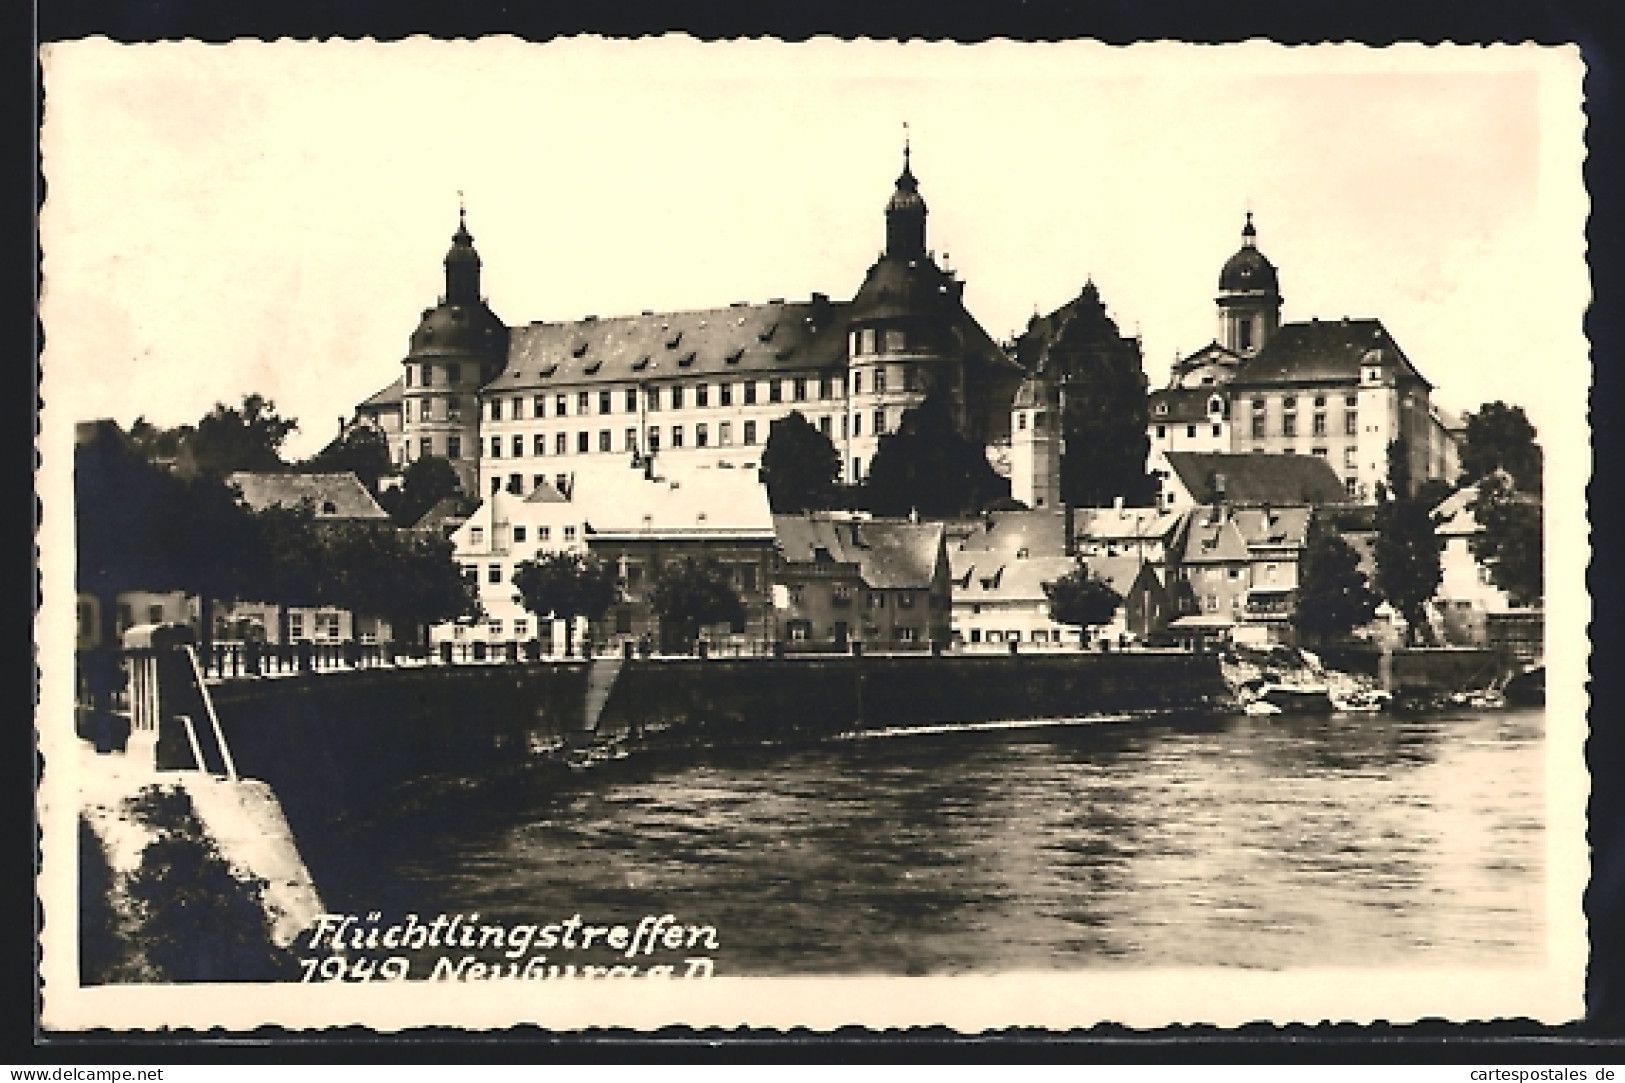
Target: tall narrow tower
1249	297
458	346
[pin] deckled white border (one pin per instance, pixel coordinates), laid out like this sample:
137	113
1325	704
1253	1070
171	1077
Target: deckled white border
1140	998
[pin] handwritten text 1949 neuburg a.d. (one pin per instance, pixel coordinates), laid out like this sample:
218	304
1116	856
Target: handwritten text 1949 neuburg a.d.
510	951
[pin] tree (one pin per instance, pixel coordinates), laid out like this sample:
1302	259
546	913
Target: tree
1101	380
1334	597
408	578
426	482
564	586
1513	540
800	467
360	449
1500	437
1408	545
229	439
689	595
926	466
1081	599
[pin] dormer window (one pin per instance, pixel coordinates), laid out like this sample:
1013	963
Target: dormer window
1162	408
766	334
579	349
672	342
1215	405
329	508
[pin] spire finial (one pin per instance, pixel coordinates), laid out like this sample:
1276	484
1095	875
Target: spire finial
1247	231
905	144
462	209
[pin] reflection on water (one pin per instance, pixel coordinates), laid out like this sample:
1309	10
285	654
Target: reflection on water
1259	842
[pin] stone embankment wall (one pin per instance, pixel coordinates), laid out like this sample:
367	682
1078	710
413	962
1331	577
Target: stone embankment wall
332	742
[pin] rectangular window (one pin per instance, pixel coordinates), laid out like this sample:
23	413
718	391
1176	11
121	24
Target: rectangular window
1290	402
538	480
581	443
857	383
823	387
869	346
631	400
496	409
454	447
476	536
676	436
750	393
880	379
750	434
895	340
569	533
496	447
1351	423
702	436
880	422
296	622
1289	425
1320	402
561	443
654	439
408	375
496	483
799	388
857	425
1318	427
775	391
725	394
603	402
517	410
427	374
454	409
539	444
521	627
560	405
1349	459
677	397
604	440
1190	432
651	399
538	406
493	573
825	425
1218	430
516	484
905	599
631	439
583	398
495	624
518	446
1322	452
877	600
725	434
1258	425
908	377
543	533
702	395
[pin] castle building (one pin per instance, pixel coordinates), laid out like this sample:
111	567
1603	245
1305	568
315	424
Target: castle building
1340	391
516	408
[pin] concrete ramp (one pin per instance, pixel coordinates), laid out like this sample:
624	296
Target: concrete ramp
602	674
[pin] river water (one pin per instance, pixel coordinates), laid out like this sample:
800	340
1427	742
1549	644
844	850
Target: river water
1263	842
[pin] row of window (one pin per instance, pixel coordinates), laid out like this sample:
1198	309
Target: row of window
521	534
425	371
872	340
1317	424
843	595
994	635
680	396
1290	402
800	631
1190	431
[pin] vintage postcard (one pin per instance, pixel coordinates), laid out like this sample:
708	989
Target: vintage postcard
650	532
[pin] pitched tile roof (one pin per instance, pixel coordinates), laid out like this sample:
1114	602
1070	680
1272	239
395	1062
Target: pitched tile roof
756	339
1041	533
997	577
1330	350
1257	478
331	496
1288	526
1119	572
1184	404
1123	524
1208	535
616	499
889	554
388	396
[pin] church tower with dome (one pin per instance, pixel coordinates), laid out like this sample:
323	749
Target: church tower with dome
459	346
1249	297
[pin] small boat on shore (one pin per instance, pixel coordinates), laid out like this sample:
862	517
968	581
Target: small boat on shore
1296	698
1363	701
1259	707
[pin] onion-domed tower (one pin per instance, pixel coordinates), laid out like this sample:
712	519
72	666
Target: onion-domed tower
1249	297
901	327
458	346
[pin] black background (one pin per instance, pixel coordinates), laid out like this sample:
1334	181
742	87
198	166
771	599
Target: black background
1593	26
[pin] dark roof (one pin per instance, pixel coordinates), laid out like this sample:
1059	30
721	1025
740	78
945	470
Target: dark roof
389	396
448	513
332	496
758	339
1041	533
1331	350
889	554
1184	404
1258	479
897	287
1248	272
456	329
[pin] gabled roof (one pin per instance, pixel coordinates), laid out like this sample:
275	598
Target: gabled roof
1330	351
1258	478
447	511
385	397
981	577
546	493
756	339
616	499
334	496
1123	524
1041	533
1209	535
1274	526
1181	405
1119	572
888	554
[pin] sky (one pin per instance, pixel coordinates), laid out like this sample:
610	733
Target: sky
271	217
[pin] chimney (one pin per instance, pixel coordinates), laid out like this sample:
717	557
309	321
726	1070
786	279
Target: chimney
1069	543
1218	488
1117	506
